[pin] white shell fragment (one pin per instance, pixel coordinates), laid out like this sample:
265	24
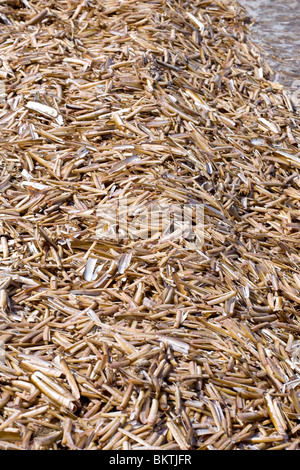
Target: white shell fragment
124	262
176	344
42	109
269	125
197	99
258	141
3	298
196	21
26	174
45	110
89	274
35	185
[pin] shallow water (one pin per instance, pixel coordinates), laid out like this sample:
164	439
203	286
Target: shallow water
277	32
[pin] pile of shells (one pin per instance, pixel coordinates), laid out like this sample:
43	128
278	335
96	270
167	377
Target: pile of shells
112	337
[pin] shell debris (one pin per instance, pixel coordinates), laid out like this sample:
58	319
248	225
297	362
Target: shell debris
118	331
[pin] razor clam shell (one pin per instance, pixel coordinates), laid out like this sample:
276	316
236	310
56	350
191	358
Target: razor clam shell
119	334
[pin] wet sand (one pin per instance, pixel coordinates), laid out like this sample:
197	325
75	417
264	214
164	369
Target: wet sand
277	31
